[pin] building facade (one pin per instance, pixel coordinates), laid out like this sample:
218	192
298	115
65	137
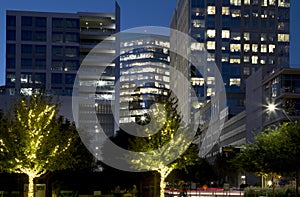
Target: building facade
240	36
144	74
279	88
44	51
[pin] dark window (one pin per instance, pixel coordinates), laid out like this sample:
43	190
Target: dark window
26	49
26	63
10	63
26	35
71	65
72	38
40	36
40	63
57	65
11	35
57	23
56	78
11	21
40	22
40	49
26	21
255	24
10	49
57	91
71	51
58	37
72	23
68	91
70	78
57	51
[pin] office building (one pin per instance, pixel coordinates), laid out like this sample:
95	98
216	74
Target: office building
44	51
240	37
279	89
144	74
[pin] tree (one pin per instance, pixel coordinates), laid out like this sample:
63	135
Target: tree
168	129
275	151
33	141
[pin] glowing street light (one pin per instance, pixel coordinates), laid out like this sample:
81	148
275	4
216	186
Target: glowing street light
271	107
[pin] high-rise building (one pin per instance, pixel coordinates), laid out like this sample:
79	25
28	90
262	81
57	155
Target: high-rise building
44	51
240	36
144	74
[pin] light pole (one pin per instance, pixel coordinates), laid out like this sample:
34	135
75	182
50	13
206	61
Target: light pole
271	107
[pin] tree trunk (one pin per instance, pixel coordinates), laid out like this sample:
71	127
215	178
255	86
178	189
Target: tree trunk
30	186
273	186
164	172
162	185
297	184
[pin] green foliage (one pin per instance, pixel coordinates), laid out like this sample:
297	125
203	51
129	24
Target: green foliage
167	120
257	191
273	151
33	140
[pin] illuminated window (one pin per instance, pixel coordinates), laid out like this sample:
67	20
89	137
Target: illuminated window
198	23
264	2
211	33
225	34
263	60
263	37
254	47
246	71
235	82
264	14
211	10
224	58
225	46
225	11
246	47
26	78
210	57
281	25
255	13
235	2
246	36
235	47
254	59
271	60
272	2
283	37
235	13
235	36
263	48
271	48
197	81
247	2
235	61
284	3
211	45
246	59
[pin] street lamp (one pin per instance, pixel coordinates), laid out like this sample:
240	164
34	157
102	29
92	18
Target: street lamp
271	107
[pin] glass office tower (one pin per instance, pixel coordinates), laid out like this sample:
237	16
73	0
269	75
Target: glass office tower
144	74
240	36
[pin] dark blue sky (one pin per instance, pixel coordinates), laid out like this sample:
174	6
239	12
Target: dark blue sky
134	13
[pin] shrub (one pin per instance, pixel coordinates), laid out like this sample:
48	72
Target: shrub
279	192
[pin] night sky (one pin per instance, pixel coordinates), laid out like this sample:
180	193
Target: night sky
134	13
